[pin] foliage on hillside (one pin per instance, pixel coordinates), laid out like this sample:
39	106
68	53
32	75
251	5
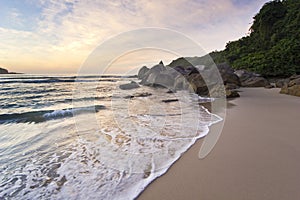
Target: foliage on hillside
273	46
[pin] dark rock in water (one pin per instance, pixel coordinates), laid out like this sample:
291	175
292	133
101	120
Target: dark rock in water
142	72
144	94
169	100
3	71
62	181
249	79
129	86
170	92
292	87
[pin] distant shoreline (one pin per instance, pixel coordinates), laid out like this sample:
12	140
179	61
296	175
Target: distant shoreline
5	71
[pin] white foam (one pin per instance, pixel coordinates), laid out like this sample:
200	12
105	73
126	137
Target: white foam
137	141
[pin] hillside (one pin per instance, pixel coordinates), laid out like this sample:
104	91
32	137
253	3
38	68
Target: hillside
3	71
273	46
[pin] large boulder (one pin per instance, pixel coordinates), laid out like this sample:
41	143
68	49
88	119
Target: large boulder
197	83
148	78
129	86
3	71
181	70
279	83
181	83
294	80
232	94
201	79
255	82
293	90
142	72
228	75
292	87
249	79
164	80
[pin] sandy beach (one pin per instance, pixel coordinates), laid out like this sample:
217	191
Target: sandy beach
256	157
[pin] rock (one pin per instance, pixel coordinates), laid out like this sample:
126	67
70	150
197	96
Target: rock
143	94
217	91
294	81
228	75
142	72
292	87
194	78
165	80
231	86
269	86
293	90
232	94
170	92
149	77
240	72
181	83
197	83
3	71
255	82
249	79
181	70
129	86
169	100
281	82
295	76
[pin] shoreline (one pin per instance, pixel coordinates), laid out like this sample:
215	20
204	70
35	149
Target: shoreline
256	156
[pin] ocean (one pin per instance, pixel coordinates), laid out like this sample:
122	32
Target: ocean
68	137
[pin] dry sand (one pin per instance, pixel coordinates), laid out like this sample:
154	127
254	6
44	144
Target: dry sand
257	156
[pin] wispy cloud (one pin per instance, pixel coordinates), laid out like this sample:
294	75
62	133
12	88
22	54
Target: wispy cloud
66	31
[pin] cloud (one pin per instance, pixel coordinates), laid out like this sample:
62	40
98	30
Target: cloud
66	31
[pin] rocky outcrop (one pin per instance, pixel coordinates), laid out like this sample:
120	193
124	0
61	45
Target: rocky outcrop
279	83
142	72
293	90
228	75
129	86
200	79
148	77
249	79
292	87
3	71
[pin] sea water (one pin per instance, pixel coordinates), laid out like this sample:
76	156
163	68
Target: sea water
68	137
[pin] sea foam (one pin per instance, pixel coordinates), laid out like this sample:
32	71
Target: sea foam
116	153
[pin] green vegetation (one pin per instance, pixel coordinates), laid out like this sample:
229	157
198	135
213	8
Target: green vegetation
273	46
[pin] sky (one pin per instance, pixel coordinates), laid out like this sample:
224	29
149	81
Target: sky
57	36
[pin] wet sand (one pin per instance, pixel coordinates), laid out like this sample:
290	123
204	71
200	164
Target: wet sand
256	157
